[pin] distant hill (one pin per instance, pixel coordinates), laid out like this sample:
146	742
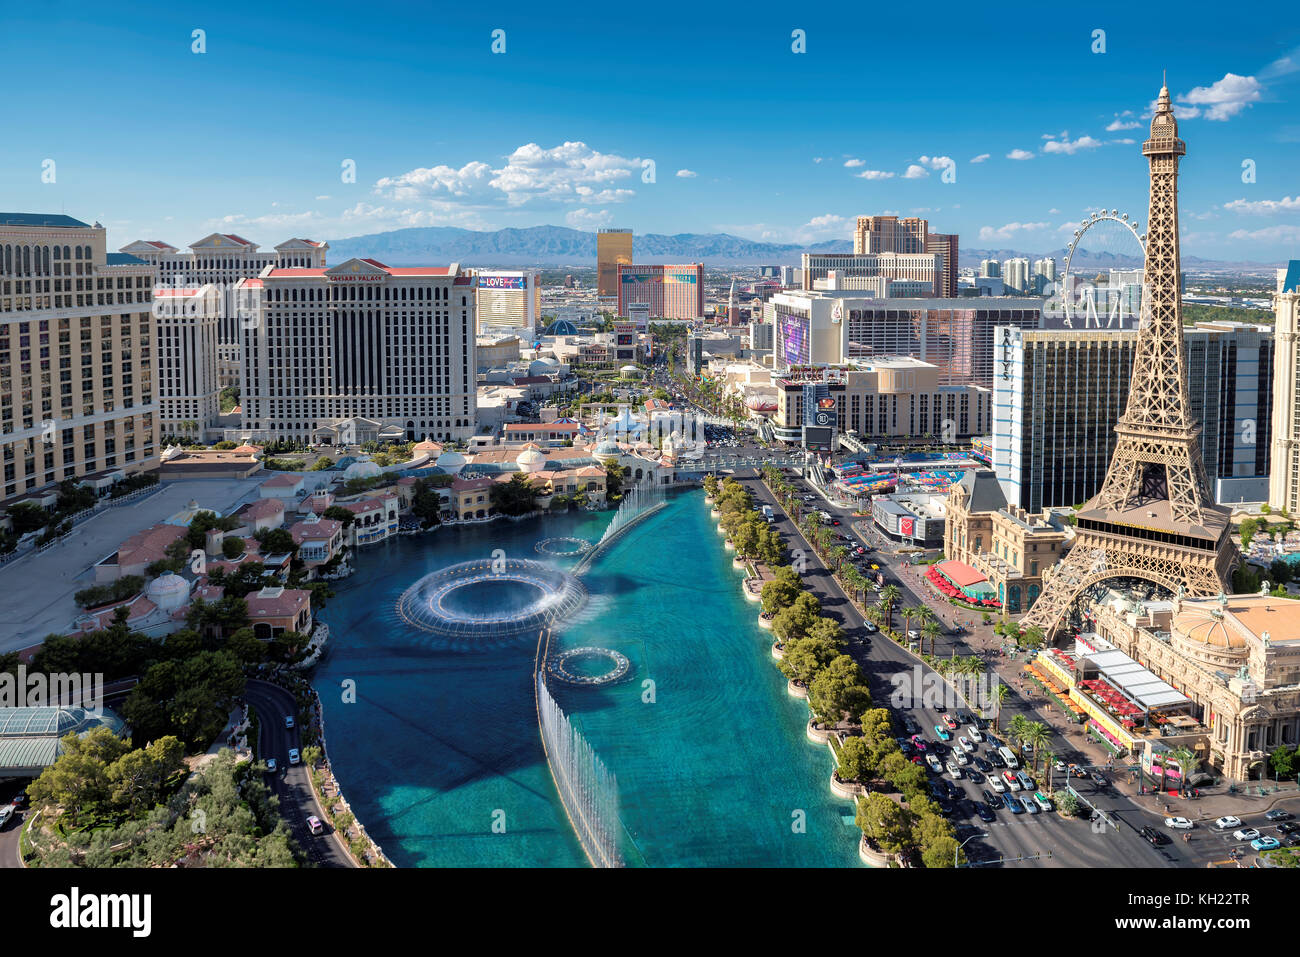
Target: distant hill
561	246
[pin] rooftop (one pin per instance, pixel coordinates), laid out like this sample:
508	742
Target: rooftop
57	220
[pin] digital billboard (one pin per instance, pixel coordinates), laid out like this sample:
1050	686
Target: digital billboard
794	339
817	438
501	282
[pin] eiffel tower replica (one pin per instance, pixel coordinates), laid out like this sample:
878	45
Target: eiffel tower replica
1154	518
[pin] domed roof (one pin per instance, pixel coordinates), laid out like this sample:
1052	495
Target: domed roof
530	460
360	470
561	327
1206	626
168	584
608	447
451	461
542	366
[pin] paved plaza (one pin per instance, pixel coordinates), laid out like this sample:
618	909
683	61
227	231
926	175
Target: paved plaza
36	590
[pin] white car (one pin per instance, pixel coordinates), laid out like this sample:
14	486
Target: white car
1227	821
1179	823
934	763
293	756
954	771
966	745
271	766
975	733
960	757
995	782
6	812
1246	834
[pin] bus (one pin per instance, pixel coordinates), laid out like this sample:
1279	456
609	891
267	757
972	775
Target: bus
1009	756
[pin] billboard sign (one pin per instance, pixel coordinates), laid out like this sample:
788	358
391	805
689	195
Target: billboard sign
794	339
501	282
906	527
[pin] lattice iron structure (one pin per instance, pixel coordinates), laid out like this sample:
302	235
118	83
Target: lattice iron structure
1154	517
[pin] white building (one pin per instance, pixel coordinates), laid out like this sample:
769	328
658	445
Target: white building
1284	467
927	268
508	303
361	340
223	259
189	390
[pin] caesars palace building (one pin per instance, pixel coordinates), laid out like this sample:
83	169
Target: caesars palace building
357	352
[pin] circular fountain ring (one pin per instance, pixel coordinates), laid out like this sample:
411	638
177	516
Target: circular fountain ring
556	547
558	667
430	604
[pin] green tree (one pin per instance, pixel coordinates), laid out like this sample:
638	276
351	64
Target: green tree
232	547
889	596
78	781
515	497
839	691
886	825
1247	530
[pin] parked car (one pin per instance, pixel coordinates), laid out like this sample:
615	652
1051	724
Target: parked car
1012	804
1265	843
966	745
918	742
948	723
996	759
1290	827
960	757
1245	833
974	733
943	733
973	774
995	782
980	763
1179	823
953	770
985	812
991	799
1029	804
1043	801
20	799
933	761
1227	821
1278	814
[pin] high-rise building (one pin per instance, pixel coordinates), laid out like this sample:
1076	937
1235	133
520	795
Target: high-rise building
956	335
77	389
673	292
507	303
1154	517
1015	275
990	269
889	234
1284	466
223	259
613	249
945	244
1058	394
926	267
189	390
359	350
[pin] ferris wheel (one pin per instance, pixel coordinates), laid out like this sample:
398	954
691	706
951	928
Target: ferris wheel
1109	235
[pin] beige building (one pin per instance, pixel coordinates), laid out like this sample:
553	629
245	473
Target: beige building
507	303
359	342
223	259
888	397
189	390
1007	545
1284	465
77	388
1236	656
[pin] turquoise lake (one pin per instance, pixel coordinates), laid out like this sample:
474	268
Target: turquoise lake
440	754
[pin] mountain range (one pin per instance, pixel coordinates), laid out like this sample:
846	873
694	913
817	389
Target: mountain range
536	246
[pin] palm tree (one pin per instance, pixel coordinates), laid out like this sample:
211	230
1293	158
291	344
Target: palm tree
889	596
837	555
1016	729
1036	736
1001	692
908	614
1047	769
929	630
924	616
1187	762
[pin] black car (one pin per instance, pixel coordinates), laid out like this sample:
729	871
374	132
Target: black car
974	775
1290	827
996	758
992	800
1153	837
985	812
980	763
954	792
939	748
1291	840
910	724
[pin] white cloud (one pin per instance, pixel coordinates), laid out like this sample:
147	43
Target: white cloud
687	173
1020	155
937	162
1010	231
319	198
828	226
1053	210
1264	207
874	174
1225	98
1119	124
854	163
570	173
584	218
818	159
1282	234
980	159
916	172
1070	147
1125	141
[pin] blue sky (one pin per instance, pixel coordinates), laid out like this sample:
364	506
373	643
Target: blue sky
746	136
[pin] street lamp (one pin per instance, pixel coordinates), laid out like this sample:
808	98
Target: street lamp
964	843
